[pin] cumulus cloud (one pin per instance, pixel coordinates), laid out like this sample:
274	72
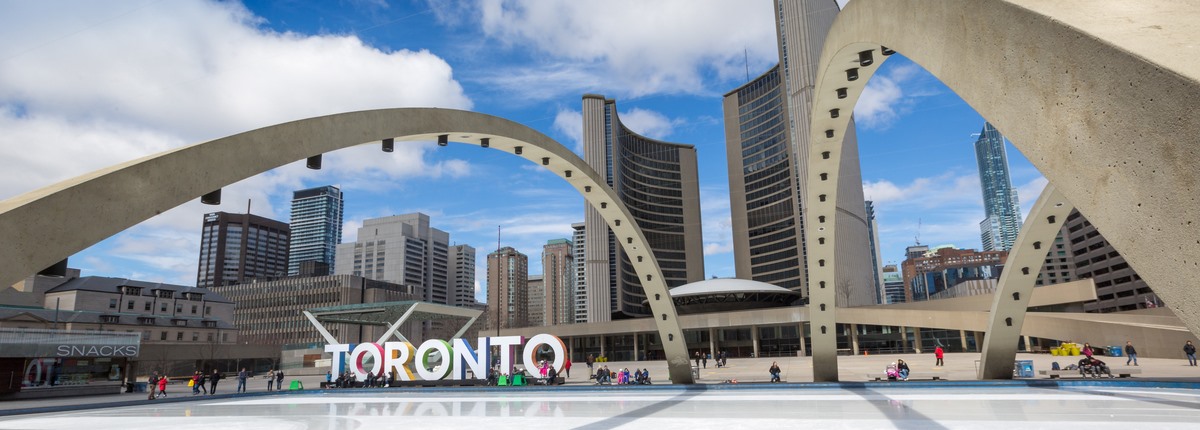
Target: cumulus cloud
650	123
1029	193
86	85
570	123
890	94
627	47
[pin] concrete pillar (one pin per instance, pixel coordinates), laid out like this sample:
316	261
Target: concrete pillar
602	345
635	347
800	329
1028	346
962	338
916	339
853	339
979	340
712	341
754	337
904	337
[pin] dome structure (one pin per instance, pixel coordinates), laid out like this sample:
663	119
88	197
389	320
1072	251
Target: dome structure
729	294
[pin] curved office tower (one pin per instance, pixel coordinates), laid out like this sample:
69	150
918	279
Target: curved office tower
658	182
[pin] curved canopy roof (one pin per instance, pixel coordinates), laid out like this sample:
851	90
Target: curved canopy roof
728	285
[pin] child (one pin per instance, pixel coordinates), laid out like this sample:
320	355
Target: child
162	387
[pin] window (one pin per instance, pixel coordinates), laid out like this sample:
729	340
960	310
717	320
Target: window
164	307
179	322
109	318
146	320
224	337
207	310
195	336
178	308
210	336
211	324
147	306
162	336
112	303
194	307
129	305
179	335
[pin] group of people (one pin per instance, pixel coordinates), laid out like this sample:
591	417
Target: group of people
349	379
898	370
702	359
622	376
157	384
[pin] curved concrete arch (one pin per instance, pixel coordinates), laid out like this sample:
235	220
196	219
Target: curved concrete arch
1015	287
44	226
1099	95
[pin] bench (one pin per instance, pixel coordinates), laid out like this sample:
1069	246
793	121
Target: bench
442	383
936	376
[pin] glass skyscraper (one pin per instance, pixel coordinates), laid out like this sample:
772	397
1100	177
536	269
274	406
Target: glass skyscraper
316	227
999	229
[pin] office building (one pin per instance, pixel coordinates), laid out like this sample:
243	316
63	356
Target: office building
238	248
578	239
558	278
1118	286
400	249
999	228
944	268
893	285
462	258
316	229
767	143
508	288
535	293
876	257
658	182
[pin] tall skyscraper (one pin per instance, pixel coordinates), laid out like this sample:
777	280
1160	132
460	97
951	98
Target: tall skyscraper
658	182
558	277
238	248
999	229
876	259
764	119
579	252
462	259
316	227
508	288
401	249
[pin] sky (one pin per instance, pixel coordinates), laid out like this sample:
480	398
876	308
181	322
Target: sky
85	85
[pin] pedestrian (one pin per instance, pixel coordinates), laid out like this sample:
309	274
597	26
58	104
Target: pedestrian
216	377
195	383
271	380
203	381
591	359
162	386
241	388
567	367
1190	350
329	377
939	354
279	380
1131	352
152	385
774	372
704	358
697	358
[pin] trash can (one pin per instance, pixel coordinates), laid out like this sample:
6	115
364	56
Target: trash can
1023	369
1114	350
695	373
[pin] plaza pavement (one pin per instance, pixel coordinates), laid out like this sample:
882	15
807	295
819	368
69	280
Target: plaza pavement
958	367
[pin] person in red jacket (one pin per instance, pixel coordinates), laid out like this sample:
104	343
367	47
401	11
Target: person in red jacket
567	367
938	353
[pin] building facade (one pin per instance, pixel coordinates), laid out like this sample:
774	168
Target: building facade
558	277
238	248
658	182
998	230
269	313
400	249
1118	286
508	288
944	268
767	142
316	227
535	293
462	268
893	285
876	256
580	297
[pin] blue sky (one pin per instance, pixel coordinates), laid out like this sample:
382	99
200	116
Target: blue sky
85	85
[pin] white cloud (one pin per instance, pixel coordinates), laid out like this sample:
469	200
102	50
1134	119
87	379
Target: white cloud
890	95
626	46
926	192
1029	193
570	123
649	123
86	85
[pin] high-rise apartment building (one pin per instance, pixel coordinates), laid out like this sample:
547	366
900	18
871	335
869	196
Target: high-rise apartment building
578	252
876	256
999	229
316	228
401	249
508	288
558	278
1118	286
776	107
658	182
462	259
239	248
535	293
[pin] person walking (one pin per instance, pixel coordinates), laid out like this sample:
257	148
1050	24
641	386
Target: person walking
195	383
162	386
591	360
1131	352
279	380
152	385
271	380
241	388
329	378
697	358
216	377
939	354
704	358
567	367
1190	350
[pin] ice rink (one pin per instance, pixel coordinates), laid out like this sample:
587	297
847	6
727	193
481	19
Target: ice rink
871	405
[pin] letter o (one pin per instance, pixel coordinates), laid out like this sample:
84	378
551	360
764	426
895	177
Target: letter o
556	345
359	354
427	348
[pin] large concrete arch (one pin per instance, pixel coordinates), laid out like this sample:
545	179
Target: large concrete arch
44	226
1100	95
1016	284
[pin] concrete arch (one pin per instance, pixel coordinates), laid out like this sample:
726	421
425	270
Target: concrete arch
1101	96
1011	300
44	226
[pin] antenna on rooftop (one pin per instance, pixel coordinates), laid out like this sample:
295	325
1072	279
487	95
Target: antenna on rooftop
497	237
918	238
746	57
